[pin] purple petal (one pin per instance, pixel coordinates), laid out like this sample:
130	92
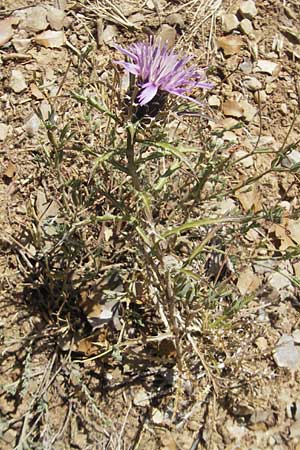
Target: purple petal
148	93
132	68
126	52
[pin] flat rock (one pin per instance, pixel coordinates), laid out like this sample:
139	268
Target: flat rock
17	81
51	39
21	45
252	84
229	23
286	353
232	108
266	66
248	9
6	31
108	35
231	44
246	159
56	17
230	136
3	131
33	19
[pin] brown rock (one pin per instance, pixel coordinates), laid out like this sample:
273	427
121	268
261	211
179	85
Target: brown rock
51	39
231	45
232	108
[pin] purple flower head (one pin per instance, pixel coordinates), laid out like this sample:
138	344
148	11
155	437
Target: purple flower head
158	68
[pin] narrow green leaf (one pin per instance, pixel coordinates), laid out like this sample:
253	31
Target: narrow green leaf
197	223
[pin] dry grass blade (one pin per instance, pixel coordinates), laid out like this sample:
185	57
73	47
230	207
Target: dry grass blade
109	11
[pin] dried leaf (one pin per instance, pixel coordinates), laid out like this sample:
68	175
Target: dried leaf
250	199
248	281
231	45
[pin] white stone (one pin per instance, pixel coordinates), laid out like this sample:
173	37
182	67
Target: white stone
17	81
291	159
32	125
287	354
246	67
266	66
246	27
56	18
109	33
248	9
229	23
249	110
247	160
34	20
214	101
6	31
230	136
3	131
260	96
252	84
21	45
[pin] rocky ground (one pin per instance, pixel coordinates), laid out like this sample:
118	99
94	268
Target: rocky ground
60	394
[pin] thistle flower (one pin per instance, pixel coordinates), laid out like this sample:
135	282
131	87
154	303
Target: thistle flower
160	70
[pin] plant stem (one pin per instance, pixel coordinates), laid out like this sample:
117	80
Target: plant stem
130	158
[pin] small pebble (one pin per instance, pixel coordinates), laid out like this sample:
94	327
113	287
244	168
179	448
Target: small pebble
214	101
246	27
287	354
21	45
32	125
249	110
283	109
252	84
296	337
17	81
291	159
108	35
246	67
248	9
247	161
260	97
229	23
